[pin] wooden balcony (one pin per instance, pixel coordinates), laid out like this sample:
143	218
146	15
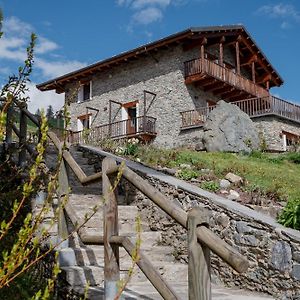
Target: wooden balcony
255	107
221	81
140	127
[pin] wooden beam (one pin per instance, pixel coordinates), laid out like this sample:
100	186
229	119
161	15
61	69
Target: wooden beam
225	89
199	284
215	86
249	60
110	217
263	78
253	71
237	55
221	55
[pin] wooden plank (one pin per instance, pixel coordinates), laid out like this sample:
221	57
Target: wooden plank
199	284
110	217
217	245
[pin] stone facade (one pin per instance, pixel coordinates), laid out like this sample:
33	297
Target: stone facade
272	250
162	74
271	127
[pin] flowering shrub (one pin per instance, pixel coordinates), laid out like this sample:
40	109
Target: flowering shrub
131	146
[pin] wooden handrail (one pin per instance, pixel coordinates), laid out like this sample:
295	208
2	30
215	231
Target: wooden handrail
110	238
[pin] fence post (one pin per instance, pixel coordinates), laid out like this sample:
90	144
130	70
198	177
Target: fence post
22	137
110	227
63	197
199	257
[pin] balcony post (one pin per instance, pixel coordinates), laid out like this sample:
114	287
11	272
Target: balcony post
237	52
221	55
253	71
202	52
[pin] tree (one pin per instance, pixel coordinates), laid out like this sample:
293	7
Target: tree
50	112
38	112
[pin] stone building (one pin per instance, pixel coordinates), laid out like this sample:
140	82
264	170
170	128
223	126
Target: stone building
163	91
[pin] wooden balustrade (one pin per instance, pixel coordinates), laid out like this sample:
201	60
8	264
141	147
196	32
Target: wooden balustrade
126	128
212	69
254	107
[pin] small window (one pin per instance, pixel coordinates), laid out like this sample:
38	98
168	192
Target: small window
84	92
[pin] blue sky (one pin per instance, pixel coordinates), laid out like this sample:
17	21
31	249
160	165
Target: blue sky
75	33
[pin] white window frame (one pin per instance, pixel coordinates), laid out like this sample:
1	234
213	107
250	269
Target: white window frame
80	92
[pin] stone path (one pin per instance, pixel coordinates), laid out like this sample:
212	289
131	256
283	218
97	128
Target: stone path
81	263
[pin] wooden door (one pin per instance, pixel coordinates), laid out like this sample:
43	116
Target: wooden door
131	122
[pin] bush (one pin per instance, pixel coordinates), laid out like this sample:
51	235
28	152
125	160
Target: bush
187	174
290	216
210	185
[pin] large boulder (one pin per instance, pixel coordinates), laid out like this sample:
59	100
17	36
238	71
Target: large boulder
229	129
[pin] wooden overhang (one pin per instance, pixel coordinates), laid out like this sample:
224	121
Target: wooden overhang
190	38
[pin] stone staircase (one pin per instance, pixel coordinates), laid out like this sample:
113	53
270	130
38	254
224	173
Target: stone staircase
84	264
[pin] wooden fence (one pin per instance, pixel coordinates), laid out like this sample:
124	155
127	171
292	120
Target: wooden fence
254	107
120	129
201	240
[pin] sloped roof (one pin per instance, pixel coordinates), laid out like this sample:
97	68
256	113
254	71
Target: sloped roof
193	33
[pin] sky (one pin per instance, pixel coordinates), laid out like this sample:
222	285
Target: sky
75	33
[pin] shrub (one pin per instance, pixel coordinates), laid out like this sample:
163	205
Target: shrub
290	216
187	174
210	185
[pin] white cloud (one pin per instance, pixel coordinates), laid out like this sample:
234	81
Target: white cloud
44	45
280	10
12	48
15	25
147	11
148	15
138	4
52	69
40	99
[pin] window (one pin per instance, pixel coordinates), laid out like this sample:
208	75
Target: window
84	92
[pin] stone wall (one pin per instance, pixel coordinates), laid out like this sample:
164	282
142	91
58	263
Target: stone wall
272	250
271	128
273	254
161	73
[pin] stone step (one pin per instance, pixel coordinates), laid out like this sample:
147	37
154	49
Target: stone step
94	256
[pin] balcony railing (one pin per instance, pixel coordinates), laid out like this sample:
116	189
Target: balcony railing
127	128
207	67
255	107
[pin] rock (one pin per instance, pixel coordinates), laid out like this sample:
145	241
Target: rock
246	240
223	220
296	272
185	166
233	195
199	147
229	129
224	192
296	256
206	171
281	256
224	184
169	171
233	178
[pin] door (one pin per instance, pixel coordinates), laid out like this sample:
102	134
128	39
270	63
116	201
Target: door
131	122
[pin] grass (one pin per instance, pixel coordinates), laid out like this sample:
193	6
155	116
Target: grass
275	175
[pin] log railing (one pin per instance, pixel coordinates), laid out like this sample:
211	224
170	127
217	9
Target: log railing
196	222
205	66
119	129
254	107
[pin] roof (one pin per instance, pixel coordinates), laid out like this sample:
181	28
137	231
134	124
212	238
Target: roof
192	33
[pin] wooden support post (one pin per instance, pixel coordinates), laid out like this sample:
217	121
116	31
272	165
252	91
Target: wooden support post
63	197
202	51
268	84
109	118
199	257
221	54
145	112
22	138
253	71
110	217
237	53
9	116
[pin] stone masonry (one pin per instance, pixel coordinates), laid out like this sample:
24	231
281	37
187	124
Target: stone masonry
272	250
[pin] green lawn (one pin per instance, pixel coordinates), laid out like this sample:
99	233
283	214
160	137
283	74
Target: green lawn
276	175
